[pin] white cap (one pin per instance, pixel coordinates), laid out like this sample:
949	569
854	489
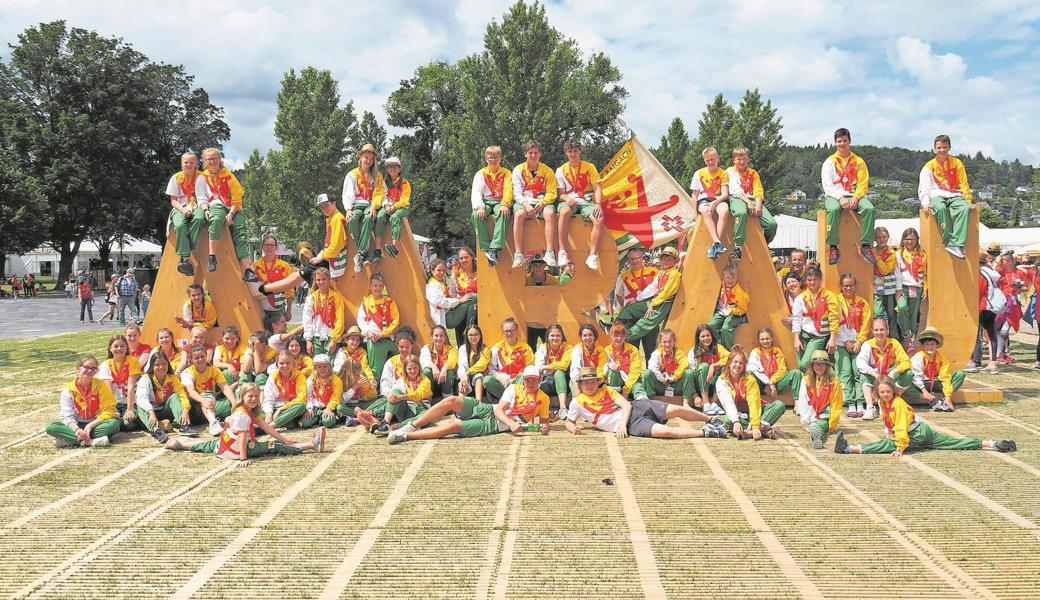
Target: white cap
393	160
321	358
532	371
322	199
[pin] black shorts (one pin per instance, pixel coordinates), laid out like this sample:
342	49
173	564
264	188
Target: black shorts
645	414
307	269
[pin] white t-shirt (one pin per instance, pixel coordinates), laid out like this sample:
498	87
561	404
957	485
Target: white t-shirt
174	190
238	422
606	422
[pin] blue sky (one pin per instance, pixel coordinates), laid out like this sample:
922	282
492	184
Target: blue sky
895	72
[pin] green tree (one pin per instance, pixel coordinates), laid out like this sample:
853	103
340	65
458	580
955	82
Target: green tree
716	129
23	209
672	151
992	219
368	131
757	127
529	82
254	180
312	129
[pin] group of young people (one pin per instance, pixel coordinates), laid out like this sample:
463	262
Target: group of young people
325	372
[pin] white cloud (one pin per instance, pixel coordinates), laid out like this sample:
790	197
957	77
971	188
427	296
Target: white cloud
916	57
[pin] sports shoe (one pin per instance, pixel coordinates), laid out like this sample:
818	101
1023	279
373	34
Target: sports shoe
816	435
215	428
840	445
64	443
1036	366
870	414
956	251
714	431
736	255
188	431
971	367
359	263
592	262
212	263
868	254
382	429
1005	446
550	258
937	405
391	250
365	417
716	422
1003	359
377	256
101	442
518	259
852	412
397	436
992	369
250	276
184	267
564	259
318	439
349	421
833	255
492	257
160	435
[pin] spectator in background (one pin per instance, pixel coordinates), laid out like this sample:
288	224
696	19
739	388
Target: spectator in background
992	302
146	298
86	299
111	297
70	288
16	286
126	288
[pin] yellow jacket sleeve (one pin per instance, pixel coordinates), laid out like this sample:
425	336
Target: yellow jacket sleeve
635	369
406	195
723	355
862	180
210	314
337	394
423	392
379	192
781	368
507	190
668	290
395	319
741	300
178	388
962	177
681	366
902	360
301	390
754	401
341	315
833	313
337	225
551	190
946	378
453	358
835	402
758	192
901	420
864	332
106	402
482	362
236	189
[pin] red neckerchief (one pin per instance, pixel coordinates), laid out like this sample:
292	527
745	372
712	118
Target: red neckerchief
578	181
465	282
552	356
188	188
588	360
356	355
227	441
533	182
769	361
286	389
817	309
411	386
141	349
169	355
886	413
364	190
496	183
394	190
326	308
322	390
669	362
514	363
198	316
219	185
525	405
382	313
709	358
883	253
120	374
846	174
820	396
230	358
747	181
739	393
624	361
637	282
913	266
882	360
727	296
88	402
602	405
950	179
440	357
714	189
931	367
163	390
853	316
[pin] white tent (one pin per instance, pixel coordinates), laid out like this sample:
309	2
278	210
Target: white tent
793	232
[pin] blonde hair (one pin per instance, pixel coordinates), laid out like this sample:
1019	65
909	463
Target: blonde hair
494	151
350	373
709	150
741	150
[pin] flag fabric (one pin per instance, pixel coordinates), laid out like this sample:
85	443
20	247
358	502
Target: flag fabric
642	203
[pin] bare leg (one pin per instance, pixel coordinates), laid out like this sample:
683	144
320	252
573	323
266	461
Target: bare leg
685	413
550	229
564	219
478	389
723	211
675	433
594	237
518	230
709	221
450	404
438	431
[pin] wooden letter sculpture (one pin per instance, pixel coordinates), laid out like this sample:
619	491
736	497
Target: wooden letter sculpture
954	284
850	261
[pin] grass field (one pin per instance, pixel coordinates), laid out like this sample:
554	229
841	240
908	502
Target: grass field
555	517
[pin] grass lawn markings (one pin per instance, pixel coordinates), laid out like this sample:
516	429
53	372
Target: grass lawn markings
341	577
776	549
1007	419
1004	457
505	567
494	541
5	422
63	457
925	553
649	576
22	440
97	485
964	490
46	582
203	575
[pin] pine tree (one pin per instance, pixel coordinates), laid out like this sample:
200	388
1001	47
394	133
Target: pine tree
675	145
715	129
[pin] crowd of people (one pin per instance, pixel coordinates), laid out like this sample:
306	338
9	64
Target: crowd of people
854	358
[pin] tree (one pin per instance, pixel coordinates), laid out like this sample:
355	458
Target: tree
254	179
313	130
757	128
24	220
529	82
715	129
85	116
992	219
675	145
369	131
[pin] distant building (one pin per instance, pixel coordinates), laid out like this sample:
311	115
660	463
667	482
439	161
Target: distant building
985	194
796	202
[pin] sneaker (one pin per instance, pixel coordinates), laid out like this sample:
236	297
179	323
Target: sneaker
215	428
712	253
377	256
492	257
184	267
971	367
391	250
101	442
714	431
518	259
359	263
160	435
716	422
365	418
318	439
550	258
834	255
63	443
397	436
349	421
212	263
373	427
870	413
816	435
1004	359
937	405
188	431
956	251
840	445
382	429
867	252
592	262
564	259
250	276
1005	446
716	409
852	412
736	255
992	370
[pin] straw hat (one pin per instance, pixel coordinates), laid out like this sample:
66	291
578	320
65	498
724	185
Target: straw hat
993	248
670	251
354	330
930	333
587	373
821	356
368	148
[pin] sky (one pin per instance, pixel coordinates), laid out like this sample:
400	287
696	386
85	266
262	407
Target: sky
895	73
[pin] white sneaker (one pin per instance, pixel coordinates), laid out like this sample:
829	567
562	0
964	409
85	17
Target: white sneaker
215	428
550	258
396	436
359	263
318	439
592	262
518	259
565	258
851	412
870	414
101	442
